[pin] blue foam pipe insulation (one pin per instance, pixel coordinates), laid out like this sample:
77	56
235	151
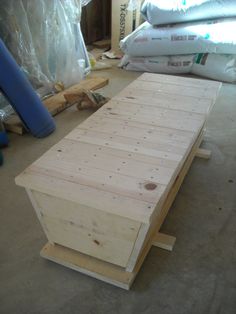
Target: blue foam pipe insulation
22	96
1	158
3	136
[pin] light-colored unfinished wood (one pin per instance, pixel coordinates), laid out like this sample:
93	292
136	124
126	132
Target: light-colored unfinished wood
164	241
175	89
39	215
181	80
145	244
108	272
95	233
203	153
152	99
127	162
88	265
102	44
57	103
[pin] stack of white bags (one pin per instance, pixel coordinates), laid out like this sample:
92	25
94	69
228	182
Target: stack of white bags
184	36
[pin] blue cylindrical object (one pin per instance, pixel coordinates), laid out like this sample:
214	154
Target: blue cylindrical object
22	96
3	139
3	136
1	158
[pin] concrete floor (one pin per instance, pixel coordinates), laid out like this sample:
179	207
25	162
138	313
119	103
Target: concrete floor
199	276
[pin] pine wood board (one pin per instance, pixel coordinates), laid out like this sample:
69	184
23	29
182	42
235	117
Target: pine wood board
169	101
102	44
87	265
87	230
182	80
127	161
170	135
143	131
57	103
143	246
147	110
203	153
164	241
167	151
108	272
88	154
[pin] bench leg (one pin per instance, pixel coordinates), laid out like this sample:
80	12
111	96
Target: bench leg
203	153
164	241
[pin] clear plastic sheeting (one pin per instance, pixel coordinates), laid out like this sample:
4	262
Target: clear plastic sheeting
45	39
85	2
132	5
6	109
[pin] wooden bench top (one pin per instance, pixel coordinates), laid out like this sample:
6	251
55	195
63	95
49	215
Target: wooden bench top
124	158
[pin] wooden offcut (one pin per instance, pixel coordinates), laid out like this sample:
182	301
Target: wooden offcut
102	44
164	241
57	103
203	153
103	192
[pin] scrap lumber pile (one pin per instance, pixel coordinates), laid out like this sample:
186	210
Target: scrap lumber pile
58	102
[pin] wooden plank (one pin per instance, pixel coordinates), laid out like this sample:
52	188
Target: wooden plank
88	265
143	131
209	88
102	200
158	150
84	229
126	157
71	95
115	183
174	89
90	156
175	124
107	272
39	215
102	131
203	153
57	103
116	106
181	80
164	241
159	216
170	101
13	124
102	44
86	169
151	227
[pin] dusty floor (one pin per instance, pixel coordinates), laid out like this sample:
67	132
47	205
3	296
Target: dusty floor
199	276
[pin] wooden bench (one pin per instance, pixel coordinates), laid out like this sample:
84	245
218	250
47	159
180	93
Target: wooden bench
103	192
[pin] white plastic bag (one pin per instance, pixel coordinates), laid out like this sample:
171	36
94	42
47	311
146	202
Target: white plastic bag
213	66
217	67
159	12
159	64
217	36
